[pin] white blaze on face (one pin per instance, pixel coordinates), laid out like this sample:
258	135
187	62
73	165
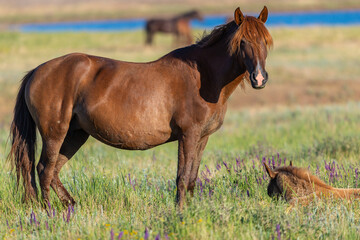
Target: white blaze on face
259	78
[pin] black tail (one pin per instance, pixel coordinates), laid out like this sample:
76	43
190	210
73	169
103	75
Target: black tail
23	142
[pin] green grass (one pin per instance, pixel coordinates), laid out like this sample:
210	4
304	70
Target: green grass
98	178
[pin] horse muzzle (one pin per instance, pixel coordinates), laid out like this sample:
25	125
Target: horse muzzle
258	79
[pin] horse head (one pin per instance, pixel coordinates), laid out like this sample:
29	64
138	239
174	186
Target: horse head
195	15
251	42
273	189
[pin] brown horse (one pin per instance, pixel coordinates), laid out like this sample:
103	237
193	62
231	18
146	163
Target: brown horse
180	97
179	26
297	185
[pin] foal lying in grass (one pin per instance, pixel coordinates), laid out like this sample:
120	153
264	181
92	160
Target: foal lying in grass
297	185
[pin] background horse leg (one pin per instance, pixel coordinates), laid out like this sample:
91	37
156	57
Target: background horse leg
72	143
149	37
195	166
177	40
187	155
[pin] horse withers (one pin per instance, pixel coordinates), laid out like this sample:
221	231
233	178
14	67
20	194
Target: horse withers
178	26
136	106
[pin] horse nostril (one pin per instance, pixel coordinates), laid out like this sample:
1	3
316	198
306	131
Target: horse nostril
252	76
266	76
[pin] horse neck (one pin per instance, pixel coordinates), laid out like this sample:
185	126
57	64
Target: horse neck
221	73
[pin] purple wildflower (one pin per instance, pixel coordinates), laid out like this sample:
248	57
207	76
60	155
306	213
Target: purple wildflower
226	166
326	166
237	167
146	234
48	210
248	193
205	177
68	215
20	222
207	169
211	192
278	231
218	166
33	218
120	235
157	237
201	188
47	225
134	185
112	234
7	224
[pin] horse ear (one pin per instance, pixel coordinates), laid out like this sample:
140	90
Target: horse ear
263	15
290	164
272	174
238	16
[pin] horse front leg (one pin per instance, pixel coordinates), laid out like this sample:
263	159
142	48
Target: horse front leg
187	154
196	164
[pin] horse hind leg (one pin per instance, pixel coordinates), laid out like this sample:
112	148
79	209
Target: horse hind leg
47	163
72	143
53	128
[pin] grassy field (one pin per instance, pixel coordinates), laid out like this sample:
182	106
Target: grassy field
124	192
130	194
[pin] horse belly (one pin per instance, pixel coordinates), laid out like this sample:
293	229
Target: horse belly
126	132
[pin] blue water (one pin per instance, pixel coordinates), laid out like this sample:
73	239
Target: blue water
329	18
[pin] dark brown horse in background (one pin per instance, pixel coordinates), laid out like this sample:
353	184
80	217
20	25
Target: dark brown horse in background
180	97
179	26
